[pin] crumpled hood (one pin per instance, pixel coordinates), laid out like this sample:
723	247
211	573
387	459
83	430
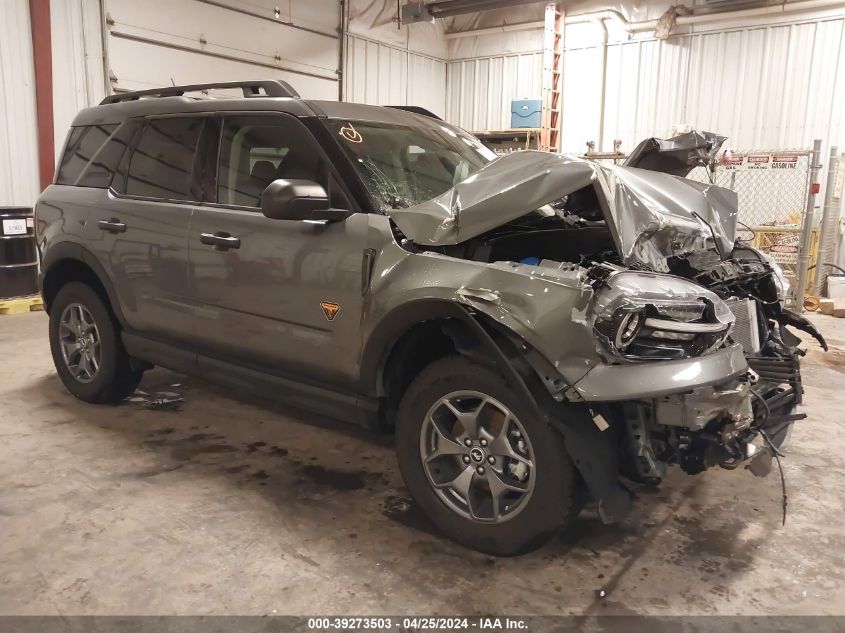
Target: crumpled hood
678	155
651	215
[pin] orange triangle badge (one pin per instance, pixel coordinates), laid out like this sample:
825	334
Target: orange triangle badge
330	309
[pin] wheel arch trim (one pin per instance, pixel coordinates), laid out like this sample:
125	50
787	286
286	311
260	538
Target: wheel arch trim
392	328
63	251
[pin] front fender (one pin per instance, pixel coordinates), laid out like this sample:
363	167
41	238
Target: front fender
545	308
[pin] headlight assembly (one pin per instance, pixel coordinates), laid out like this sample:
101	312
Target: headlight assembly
658	318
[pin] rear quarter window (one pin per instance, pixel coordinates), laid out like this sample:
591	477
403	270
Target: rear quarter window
100	171
83	145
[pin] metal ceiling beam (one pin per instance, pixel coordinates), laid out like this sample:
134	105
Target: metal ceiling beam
438	9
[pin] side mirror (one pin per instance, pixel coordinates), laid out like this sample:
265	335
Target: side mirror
298	200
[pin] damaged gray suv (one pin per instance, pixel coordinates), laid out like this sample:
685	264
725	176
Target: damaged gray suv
532	327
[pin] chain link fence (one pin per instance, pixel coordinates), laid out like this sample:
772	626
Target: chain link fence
771	185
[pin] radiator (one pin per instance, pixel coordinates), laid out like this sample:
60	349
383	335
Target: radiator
746	331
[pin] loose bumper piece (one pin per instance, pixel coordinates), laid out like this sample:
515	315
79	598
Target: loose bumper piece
626	382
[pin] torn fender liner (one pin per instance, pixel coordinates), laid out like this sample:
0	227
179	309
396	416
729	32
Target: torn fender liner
594	454
678	155
788	317
652	216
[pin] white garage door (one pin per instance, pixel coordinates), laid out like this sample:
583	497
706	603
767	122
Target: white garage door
165	42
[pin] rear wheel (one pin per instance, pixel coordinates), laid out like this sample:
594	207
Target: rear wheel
487	471
86	347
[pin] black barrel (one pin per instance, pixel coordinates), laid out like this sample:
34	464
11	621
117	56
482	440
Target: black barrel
18	256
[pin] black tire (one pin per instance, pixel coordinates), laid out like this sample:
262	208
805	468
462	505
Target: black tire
553	502
115	378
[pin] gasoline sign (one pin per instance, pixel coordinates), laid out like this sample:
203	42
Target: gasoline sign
784	162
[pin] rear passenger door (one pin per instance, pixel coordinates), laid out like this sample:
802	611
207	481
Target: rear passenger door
264	297
144	228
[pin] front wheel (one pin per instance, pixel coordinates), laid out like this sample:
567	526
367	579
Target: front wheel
478	460
86	347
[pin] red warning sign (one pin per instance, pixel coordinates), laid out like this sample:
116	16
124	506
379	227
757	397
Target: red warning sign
732	161
759	161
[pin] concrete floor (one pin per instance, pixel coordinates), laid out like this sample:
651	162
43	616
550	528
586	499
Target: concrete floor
235	506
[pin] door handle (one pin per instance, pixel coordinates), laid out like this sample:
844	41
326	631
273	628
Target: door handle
112	225
221	241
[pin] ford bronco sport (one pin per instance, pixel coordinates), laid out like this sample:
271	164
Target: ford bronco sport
529	326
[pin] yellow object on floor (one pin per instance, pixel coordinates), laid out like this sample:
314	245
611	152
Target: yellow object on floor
21	304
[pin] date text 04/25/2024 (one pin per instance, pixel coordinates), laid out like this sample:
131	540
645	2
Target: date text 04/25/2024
416	624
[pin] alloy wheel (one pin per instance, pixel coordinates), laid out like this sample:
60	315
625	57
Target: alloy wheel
477	456
79	339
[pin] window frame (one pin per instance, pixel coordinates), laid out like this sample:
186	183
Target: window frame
333	172
122	170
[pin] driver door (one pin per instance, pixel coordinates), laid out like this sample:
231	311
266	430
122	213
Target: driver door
282	296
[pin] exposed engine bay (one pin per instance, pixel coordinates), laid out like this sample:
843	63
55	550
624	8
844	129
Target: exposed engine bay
746	418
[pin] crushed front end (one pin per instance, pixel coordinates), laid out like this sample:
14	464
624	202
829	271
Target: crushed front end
661	338
647	323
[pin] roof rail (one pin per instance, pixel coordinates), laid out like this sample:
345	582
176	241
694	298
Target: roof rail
271	88
416	110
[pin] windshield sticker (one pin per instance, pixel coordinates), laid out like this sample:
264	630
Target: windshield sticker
350	134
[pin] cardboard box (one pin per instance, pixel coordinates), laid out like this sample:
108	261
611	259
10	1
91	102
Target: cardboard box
833	307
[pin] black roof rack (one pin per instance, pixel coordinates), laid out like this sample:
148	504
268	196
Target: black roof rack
416	110
271	88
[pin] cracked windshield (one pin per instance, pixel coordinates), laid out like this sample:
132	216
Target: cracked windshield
405	165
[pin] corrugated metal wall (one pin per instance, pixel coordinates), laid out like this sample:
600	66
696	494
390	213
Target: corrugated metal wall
479	91
18	142
771	86
381	74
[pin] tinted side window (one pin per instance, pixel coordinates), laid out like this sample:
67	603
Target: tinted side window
255	151
161	166
83	144
100	170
